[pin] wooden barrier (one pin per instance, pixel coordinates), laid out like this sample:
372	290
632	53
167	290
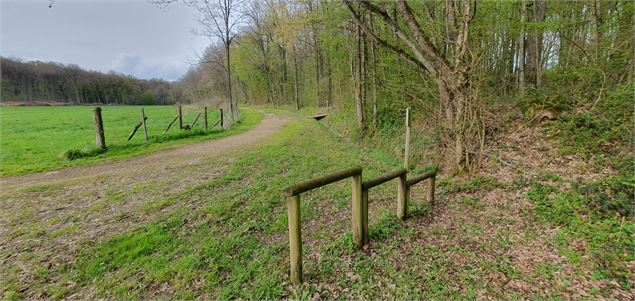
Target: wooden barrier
359	205
367	185
428	175
293	205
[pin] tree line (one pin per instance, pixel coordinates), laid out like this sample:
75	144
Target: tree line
38	81
449	60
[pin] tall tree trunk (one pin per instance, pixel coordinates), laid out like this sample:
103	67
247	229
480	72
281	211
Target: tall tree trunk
296	81
359	100
229	83
373	59
521	50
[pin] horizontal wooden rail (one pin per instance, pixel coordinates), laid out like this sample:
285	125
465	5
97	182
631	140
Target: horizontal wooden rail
432	175
366	186
323	180
383	178
421	177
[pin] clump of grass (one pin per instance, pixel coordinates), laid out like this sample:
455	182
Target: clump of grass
74	154
88	152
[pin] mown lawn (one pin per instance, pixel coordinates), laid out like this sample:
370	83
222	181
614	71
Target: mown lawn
34	139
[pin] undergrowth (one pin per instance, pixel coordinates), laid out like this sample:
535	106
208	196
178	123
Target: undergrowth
599	214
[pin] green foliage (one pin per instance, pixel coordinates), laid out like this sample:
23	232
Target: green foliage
600	130
608	238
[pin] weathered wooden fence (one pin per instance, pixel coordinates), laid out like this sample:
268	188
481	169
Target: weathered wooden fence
99	124
359	217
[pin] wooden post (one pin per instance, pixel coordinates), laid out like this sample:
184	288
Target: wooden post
170	125
407	146
180	113
205	116
195	120
99	128
365	216
143	120
295	239
358	224
221	117
402	197
431	190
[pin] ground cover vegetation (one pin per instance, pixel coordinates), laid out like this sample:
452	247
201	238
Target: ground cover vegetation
226	237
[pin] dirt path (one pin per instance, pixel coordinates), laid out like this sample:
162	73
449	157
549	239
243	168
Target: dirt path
180	155
47	219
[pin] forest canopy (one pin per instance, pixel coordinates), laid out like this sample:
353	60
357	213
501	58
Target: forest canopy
38	81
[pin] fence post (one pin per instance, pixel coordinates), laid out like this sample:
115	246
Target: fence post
99	128
358	220
295	239
221	117
402	197
407	146
180	113
143	120
431	190
365	216
205	110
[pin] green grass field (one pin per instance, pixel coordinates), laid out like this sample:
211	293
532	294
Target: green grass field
33	139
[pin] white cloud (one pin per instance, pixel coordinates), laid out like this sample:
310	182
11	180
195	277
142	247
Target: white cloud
136	66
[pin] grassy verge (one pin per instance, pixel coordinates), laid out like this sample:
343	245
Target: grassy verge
56	143
226	238
235	246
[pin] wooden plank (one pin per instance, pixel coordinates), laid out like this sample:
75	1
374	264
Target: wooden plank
319	116
358	215
406	156
195	120
295	239
323	180
169	125
365	216
421	177
402	197
134	131
384	178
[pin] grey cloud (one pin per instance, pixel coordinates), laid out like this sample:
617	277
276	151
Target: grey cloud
128	36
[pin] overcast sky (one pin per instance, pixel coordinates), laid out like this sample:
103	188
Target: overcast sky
128	36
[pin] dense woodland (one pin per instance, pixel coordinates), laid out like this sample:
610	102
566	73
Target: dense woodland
452	61
37	81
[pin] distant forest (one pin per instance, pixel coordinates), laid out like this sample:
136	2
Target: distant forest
38	81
